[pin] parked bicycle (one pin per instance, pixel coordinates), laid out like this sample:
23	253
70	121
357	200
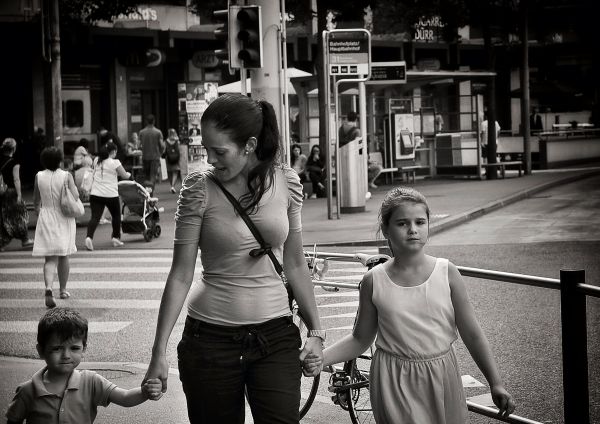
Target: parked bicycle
350	384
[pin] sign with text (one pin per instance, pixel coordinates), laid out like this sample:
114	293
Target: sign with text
349	52
388	73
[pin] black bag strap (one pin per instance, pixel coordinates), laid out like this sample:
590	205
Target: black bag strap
264	247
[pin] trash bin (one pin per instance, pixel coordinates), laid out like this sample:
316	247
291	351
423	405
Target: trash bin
353	173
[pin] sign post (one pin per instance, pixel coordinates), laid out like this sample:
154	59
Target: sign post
347	54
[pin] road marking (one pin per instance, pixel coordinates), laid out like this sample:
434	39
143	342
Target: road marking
117	253
87	285
347	315
345	328
340	305
83	303
126	269
470	381
82	260
93	326
338	294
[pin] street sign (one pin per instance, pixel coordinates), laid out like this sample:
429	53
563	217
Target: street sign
388	73
349	53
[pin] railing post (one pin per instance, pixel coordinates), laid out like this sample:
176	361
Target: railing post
574	347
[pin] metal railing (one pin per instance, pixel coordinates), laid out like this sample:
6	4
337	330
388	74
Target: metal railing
573	307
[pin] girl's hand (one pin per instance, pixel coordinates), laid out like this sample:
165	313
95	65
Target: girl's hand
312	365
158	370
503	400
313	349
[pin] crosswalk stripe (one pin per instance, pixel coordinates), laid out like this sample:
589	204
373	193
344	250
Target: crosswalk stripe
113	269
339	294
83	303
340	305
82	260
93	326
84	285
347	315
117	253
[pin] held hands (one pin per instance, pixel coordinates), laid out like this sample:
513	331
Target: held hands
503	400
311	357
152	389
158	370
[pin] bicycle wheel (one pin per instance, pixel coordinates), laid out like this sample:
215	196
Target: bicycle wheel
308	385
359	406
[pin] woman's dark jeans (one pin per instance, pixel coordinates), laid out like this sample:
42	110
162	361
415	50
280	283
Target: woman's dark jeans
218	363
97	205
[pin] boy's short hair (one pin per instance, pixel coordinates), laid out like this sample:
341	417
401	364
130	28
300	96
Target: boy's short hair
65	323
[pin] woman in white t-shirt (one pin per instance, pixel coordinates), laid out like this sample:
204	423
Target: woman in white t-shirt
105	193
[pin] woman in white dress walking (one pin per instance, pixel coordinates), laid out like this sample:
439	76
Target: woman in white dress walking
54	232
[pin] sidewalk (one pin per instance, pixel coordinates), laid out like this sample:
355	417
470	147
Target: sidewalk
452	201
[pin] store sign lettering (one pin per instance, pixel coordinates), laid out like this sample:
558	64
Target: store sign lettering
142	14
428	29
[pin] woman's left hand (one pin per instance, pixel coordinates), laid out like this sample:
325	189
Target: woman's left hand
311	357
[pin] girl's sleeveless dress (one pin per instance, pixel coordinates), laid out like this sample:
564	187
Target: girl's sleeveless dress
414	373
54	232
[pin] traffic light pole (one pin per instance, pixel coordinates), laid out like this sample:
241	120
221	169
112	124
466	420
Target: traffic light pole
243	79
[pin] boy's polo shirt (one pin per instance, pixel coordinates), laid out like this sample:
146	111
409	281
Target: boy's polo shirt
85	391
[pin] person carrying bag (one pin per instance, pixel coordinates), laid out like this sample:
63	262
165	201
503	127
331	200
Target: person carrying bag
70	205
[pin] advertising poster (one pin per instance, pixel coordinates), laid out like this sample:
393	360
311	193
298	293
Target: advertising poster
404	131
193	99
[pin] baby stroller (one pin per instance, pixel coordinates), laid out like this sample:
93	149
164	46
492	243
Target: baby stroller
140	214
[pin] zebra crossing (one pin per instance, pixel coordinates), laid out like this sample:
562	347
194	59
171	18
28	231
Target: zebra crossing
138	276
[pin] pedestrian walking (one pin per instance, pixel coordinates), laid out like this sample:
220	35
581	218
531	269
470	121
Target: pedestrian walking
172	156
13	211
54	232
239	337
152	145
417	305
59	392
105	193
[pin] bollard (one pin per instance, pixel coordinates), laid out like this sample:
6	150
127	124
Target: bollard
574	346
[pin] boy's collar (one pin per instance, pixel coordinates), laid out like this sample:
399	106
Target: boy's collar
40	388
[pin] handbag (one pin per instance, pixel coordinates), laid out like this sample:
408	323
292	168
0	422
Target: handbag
87	181
264	247
70	206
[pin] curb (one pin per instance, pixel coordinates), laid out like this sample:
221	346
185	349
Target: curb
455	220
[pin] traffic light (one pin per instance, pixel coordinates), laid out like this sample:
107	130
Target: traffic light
247	29
222	33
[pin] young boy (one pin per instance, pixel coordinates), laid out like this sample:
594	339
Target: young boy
59	392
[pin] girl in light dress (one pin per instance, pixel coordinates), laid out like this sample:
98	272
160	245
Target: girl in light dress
416	305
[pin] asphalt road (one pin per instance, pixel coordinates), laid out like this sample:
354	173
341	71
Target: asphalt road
119	291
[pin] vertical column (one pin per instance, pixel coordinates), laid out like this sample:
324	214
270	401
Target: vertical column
574	346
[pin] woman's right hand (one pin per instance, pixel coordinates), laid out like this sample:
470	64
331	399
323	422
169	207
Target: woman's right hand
158	368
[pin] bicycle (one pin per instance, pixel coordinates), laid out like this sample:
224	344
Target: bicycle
350	384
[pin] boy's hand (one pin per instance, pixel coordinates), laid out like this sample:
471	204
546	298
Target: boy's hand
503	400
152	389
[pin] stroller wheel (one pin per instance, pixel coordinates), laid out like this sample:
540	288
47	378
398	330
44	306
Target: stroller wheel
148	235
157	231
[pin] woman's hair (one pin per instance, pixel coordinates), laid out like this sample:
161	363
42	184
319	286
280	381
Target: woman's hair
9	145
65	323
172	132
242	118
294	146
105	151
395	198
51	157
85	143
312	149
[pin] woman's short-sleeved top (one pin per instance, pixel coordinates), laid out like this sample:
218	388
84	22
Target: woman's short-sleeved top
235	288
7	163
105	178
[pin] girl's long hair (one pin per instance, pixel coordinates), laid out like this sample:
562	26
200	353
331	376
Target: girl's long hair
242	118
